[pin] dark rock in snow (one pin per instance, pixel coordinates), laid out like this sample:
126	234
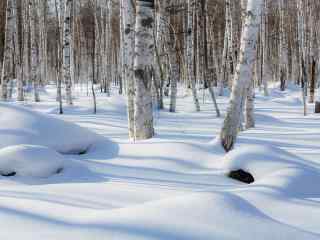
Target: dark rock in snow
241	176
11	174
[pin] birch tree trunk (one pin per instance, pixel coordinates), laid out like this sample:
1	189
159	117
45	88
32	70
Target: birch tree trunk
172	52
204	5
34	48
191	53
128	48
243	75
143	62
8	48
159	42
283	54
18	55
67	50
264	49
302	52
26	41
249	107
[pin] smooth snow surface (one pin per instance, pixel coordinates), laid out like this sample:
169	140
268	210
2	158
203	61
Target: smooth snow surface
30	161
19	125
171	187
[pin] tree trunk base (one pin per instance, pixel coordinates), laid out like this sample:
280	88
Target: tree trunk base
317	107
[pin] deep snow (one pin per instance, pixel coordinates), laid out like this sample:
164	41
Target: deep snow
21	126
173	186
30	161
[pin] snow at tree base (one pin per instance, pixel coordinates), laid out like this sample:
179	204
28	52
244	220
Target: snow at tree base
159	120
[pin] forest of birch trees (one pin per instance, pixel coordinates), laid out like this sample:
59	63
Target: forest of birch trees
150	49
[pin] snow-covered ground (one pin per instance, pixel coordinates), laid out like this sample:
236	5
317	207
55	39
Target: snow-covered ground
171	187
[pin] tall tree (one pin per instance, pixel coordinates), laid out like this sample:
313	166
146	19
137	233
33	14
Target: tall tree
67	50
33	16
191	55
143	62
128	16
243	74
10	30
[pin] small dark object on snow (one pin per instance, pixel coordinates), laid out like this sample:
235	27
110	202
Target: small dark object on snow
83	152
59	170
241	176
8	174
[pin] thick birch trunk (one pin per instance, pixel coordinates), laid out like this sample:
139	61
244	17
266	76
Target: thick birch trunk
143	62
128	48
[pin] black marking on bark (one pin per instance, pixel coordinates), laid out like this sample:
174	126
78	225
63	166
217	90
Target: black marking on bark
147	22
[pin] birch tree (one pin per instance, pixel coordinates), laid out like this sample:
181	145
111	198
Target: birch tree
243	74
10	29
190	52
128	16
33	16
67	50
143	62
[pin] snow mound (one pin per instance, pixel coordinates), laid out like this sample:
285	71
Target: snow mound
30	161
274	167
209	215
288	101
19	125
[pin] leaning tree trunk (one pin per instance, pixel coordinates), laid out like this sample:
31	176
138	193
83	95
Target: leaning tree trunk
67	50
143	62
8	48
243	74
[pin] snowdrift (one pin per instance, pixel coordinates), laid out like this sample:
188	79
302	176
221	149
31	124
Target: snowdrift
23	126
275	168
30	161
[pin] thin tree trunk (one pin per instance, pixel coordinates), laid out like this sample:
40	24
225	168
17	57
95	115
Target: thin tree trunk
67	50
8	48
34	49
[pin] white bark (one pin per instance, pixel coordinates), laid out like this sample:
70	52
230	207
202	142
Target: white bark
143	62
33	14
283	54
67	50
191	53
243	74
172	52
302	52
249	108
128	48
8	48
264	49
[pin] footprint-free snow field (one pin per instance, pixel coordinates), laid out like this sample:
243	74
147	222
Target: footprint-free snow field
77	176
